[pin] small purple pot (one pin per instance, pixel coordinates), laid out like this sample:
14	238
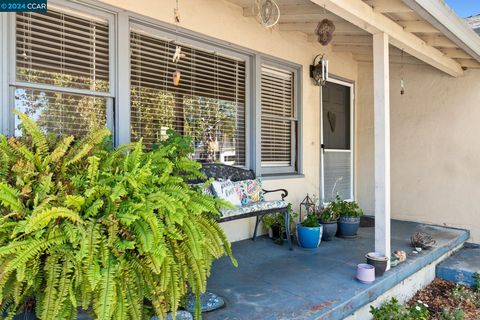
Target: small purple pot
365	273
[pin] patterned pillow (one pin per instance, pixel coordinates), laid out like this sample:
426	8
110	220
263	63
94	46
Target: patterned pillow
228	191
207	190
251	191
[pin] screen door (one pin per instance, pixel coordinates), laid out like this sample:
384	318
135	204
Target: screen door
337	141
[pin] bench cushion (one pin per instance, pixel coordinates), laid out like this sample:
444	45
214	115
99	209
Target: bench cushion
254	207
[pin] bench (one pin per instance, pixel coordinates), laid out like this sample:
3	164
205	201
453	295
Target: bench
219	171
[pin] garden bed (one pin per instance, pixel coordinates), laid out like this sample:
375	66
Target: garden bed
440	300
447	300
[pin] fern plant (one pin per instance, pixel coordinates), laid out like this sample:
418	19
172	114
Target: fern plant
119	233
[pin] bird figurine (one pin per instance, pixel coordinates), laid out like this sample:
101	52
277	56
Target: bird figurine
178	54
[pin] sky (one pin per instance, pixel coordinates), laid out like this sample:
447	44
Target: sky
465	8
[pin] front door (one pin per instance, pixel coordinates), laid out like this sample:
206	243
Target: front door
337	141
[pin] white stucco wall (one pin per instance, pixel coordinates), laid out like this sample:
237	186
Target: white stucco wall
225	21
435	149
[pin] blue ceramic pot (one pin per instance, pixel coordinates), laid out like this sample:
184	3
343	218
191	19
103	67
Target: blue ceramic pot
309	238
348	227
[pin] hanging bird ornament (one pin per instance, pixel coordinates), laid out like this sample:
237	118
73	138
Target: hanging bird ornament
324	31
178	54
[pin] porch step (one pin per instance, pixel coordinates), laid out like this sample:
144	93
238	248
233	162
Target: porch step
461	266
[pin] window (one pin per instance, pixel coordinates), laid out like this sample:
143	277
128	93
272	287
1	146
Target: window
79	67
279	121
62	71
208	104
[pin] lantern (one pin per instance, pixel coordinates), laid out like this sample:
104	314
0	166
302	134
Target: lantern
308	205
319	70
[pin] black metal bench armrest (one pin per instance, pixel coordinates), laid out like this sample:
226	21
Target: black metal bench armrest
283	195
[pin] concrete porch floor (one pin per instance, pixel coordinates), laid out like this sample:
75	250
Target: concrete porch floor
272	282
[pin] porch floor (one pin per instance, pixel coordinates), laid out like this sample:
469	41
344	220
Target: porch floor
272	282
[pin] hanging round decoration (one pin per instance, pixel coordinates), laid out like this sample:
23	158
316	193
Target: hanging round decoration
324	31
267	12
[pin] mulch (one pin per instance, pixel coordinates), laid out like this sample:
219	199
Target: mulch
439	296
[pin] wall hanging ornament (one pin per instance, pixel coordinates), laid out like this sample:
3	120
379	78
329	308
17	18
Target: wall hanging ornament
319	70
178	54
324	31
267	12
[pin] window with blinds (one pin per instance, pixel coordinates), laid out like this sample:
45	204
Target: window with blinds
279	121
62	71
208	104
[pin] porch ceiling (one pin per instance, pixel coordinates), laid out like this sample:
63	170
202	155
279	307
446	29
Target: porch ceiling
442	44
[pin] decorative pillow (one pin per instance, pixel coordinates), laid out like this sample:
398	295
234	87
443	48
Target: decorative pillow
205	190
228	191
251	191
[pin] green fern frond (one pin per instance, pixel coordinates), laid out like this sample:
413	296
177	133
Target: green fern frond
132	160
92	170
63	287
31	129
60	151
31	248
50	295
107	292
9	197
133	300
84	146
41	219
144	235
74	201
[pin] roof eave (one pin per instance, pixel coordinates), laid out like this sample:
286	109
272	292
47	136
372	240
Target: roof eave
449	23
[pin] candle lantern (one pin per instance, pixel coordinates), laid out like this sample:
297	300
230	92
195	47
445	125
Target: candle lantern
307	206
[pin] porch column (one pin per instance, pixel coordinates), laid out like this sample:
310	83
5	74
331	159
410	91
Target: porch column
381	88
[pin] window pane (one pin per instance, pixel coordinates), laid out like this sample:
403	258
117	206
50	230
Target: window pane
60	49
336	116
61	113
208	104
276	143
278	118
338	175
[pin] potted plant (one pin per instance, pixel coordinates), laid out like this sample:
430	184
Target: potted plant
118	233
309	232
272	222
275	224
349	220
328	218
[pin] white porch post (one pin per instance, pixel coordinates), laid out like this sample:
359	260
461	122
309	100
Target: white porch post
381	88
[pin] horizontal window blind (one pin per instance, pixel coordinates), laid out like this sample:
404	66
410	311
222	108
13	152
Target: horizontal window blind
62	50
208	104
278	132
60	55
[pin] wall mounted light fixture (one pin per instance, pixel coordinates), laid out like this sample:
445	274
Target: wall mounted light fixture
319	70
